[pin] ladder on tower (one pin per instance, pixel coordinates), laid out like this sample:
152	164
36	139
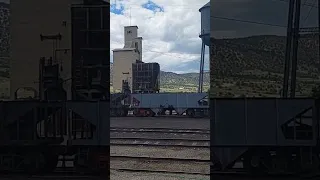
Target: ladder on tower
78	74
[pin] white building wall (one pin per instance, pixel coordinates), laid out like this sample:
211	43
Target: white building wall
124	58
130	33
122	63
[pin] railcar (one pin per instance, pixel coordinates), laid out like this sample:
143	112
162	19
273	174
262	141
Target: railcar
265	135
35	133
191	104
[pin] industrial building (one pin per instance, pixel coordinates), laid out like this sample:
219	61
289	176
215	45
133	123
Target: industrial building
128	65
27	48
90	50
145	77
69	33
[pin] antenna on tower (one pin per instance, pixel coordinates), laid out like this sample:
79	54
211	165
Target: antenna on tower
130	16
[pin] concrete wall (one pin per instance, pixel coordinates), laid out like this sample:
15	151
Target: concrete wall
130	36
122	63
29	19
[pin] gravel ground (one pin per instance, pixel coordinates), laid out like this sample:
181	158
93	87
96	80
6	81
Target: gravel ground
165	152
119	175
154	122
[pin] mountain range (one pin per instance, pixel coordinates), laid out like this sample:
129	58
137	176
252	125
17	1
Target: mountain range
178	80
254	66
4	30
262	53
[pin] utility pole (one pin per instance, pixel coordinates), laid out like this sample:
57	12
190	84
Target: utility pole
293	35
318	31
288	50
296	35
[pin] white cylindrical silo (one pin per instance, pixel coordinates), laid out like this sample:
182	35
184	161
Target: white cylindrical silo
205	24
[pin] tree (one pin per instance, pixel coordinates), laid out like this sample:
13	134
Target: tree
210	92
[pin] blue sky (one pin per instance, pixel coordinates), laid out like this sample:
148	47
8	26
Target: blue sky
170	31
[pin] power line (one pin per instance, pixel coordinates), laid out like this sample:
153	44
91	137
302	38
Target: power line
304	4
247	21
147	50
162	53
165	53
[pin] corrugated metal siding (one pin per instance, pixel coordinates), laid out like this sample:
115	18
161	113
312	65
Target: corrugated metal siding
90	44
177	100
146	77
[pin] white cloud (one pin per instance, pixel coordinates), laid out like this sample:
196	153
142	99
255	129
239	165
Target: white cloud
170	38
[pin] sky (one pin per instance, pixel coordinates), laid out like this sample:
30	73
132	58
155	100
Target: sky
170	31
273	12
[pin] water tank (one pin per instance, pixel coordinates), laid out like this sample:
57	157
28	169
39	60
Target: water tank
205	24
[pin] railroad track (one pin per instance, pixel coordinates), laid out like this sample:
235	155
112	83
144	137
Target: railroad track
170	142
164	117
240	175
160	137
144	158
166	161
161	130
159	171
53	175
60	177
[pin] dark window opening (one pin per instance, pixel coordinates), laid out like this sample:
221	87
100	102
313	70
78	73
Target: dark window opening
299	127
64	23
96	95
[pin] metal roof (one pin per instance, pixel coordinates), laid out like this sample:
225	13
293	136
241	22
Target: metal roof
124	49
206	5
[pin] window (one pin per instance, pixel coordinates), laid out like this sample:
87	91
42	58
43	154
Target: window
95	73
64	23
128	32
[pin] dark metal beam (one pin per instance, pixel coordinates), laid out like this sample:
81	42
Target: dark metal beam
318	32
288	50
295	49
200	86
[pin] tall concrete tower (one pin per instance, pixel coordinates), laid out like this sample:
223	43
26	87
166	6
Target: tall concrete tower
123	58
132	40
